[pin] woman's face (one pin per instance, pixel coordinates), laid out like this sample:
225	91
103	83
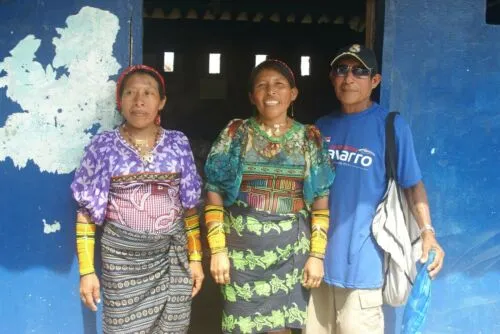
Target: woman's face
272	94
140	100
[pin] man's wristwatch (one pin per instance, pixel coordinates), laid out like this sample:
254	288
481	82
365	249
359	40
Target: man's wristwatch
428	227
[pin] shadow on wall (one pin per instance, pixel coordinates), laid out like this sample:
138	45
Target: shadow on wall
473	255
31	235
37	219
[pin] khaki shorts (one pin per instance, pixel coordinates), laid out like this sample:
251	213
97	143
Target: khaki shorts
334	310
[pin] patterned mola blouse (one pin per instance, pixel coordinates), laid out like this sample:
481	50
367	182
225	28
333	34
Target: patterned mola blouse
114	184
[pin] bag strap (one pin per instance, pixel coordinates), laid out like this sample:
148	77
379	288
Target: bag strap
391	164
390	147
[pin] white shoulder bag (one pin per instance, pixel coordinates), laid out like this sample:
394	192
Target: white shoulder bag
396	230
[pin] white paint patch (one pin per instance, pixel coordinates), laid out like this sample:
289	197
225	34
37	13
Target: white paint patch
433	151
51	228
56	113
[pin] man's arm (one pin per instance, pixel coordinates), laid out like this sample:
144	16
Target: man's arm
419	205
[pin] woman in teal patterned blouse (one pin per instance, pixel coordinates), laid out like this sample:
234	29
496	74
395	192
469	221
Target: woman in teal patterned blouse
268	180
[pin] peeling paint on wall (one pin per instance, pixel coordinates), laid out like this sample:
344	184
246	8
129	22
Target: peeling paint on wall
63	104
51	228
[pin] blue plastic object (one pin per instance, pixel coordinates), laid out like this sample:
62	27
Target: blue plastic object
419	300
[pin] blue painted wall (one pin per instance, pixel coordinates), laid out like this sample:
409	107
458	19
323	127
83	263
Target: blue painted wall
441	69
38	269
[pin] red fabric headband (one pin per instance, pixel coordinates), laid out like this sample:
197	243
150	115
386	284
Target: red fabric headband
132	69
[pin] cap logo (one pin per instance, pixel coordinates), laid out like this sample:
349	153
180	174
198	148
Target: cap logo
355	48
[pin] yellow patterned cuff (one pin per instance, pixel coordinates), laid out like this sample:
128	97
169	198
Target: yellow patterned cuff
196	256
192	226
216	237
214	214
318	242
214	218
85	243
320	221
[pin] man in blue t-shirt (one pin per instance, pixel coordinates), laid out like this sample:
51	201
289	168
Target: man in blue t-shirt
350	299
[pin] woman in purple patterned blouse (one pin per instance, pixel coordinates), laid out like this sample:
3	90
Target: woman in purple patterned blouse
139	182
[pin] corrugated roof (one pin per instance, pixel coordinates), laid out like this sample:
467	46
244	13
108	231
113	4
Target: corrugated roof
350	12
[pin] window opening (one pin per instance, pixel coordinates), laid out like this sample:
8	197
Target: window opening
305	66
259	59
214	63
168	61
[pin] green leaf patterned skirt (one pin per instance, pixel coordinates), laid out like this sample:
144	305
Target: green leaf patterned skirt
267	253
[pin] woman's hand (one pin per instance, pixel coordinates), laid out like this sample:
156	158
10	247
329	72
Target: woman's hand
219	268
89	291
313	272
197	276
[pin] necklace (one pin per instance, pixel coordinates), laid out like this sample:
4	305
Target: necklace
142	145
274	130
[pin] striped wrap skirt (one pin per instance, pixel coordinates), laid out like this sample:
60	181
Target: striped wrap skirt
146	281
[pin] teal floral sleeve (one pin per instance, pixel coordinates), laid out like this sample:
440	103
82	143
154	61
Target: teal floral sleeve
224	162
320	173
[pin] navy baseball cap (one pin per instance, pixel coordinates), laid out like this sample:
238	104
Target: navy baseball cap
363	54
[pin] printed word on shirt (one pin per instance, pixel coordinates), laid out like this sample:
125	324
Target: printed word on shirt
351	156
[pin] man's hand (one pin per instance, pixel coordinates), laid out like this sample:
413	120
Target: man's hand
429	242
419	205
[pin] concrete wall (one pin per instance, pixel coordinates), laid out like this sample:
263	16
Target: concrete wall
441	70
58	63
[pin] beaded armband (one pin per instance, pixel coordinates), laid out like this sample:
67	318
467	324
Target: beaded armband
192	226
85	243
320	220
214	218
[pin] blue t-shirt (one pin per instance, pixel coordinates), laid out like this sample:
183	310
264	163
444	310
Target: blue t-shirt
356	143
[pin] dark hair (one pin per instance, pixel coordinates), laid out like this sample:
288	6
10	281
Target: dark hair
272	64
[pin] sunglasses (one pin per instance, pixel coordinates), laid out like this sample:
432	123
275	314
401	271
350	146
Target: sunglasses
341	70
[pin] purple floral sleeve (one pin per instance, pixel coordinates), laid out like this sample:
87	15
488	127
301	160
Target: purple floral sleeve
190	188
90	185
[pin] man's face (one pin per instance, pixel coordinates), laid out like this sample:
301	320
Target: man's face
353	91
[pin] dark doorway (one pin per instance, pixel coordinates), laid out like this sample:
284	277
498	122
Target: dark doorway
201	104
493	12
